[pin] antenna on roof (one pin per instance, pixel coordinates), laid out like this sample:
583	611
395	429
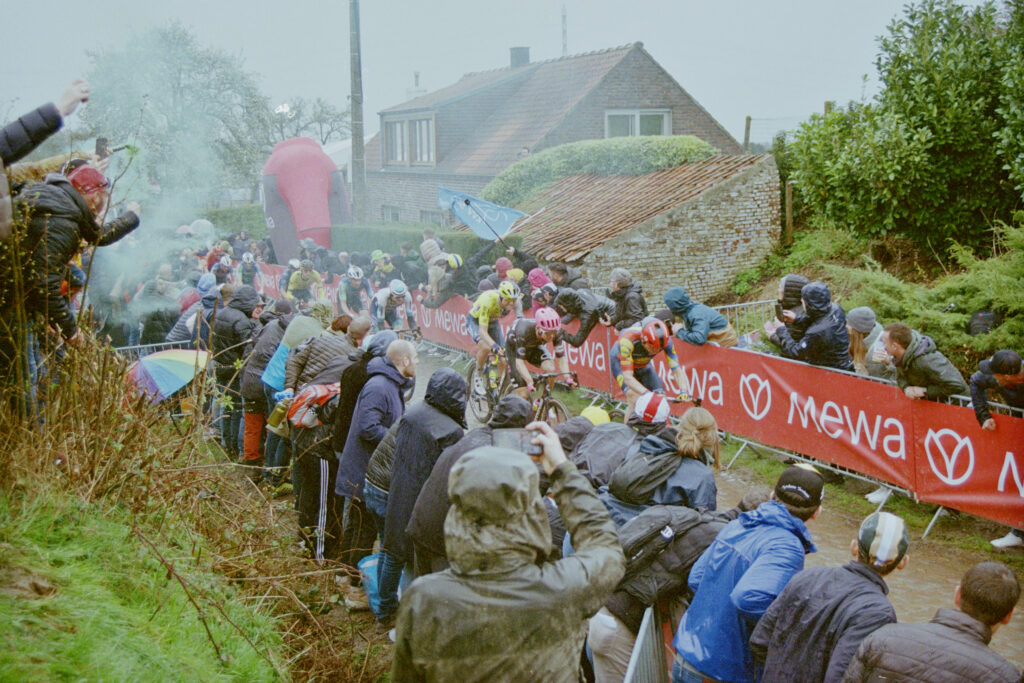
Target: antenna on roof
565	33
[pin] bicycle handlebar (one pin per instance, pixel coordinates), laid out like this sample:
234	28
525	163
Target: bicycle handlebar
546	375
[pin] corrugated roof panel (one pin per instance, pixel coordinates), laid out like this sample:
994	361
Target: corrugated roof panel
582	212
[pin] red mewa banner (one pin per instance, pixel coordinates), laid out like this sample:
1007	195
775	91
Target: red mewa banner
936	451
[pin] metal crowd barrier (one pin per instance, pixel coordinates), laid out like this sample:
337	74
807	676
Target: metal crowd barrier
750	316
137	351
647	663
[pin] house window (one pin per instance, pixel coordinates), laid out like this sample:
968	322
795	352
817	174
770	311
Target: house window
421	132
389	214
629	122
394	142
435	217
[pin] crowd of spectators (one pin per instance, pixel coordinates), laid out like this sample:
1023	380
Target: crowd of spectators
524	548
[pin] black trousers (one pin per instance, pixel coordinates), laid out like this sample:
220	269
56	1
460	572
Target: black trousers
359	535
320	509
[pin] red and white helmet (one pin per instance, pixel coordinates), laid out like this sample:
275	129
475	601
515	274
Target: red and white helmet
547	319
652	408
655	334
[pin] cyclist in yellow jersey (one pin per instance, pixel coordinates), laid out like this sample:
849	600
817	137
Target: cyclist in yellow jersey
482	321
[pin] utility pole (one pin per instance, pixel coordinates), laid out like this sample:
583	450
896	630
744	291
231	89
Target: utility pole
358	154
565	33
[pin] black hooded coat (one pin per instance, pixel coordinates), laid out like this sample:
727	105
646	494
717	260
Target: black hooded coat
232	326
426	525
58	219
825	342
427	429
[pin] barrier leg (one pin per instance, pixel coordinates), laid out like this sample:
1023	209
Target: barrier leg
885	499
742	447
938	513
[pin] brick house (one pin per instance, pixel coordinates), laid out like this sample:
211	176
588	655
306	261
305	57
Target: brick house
462	135
696	225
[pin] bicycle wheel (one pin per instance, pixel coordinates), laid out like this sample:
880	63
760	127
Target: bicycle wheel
478	398
553	412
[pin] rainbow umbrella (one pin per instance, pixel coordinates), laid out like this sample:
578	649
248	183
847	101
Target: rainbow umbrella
162	373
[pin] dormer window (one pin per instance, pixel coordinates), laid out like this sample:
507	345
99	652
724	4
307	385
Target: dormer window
631	122
409	142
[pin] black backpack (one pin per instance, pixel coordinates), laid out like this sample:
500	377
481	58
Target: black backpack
647	535
982	322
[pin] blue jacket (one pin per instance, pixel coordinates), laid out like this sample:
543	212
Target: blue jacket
380	403
692	484
700	320
826	341
734	582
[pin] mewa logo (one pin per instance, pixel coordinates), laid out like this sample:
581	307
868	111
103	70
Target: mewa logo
950	456
755	395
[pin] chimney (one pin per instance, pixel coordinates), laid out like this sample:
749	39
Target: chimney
519	56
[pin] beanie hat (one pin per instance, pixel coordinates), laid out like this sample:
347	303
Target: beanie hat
791	290
883	539
515	274
484	285
800	485
282	307
861	319
87	179
503	265
1004	362
537	278
652	408
595	414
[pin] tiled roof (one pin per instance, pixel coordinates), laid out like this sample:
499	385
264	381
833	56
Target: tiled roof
466	85
546	96
549	91
579	213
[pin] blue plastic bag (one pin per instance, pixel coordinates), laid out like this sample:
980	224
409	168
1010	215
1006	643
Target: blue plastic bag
368	569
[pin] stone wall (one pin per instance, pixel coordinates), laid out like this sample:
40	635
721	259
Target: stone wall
414	192
701	244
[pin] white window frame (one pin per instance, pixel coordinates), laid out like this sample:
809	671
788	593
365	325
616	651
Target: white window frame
401	147
666	120
419	145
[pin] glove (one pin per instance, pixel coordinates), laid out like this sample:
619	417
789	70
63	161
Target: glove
529	387
282	395
570	381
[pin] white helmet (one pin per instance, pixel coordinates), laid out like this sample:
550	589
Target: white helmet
294	264
225	261
247	257
355	272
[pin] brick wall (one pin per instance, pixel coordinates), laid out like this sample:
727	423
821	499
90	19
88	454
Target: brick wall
413	192
701	244
639	82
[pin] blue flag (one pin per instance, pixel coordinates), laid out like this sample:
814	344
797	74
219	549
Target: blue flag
488	221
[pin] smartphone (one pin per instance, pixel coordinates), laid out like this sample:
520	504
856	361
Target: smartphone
778	311
517	440
102	148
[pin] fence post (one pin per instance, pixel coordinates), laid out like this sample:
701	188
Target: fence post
746	137
787	235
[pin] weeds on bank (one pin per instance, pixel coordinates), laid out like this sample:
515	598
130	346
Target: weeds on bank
161	555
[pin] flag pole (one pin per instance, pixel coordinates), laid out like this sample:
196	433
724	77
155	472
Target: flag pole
481	217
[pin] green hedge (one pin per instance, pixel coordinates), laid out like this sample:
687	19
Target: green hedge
389	236
614	156
230	220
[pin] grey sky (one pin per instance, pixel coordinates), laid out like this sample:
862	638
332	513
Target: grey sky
776	61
